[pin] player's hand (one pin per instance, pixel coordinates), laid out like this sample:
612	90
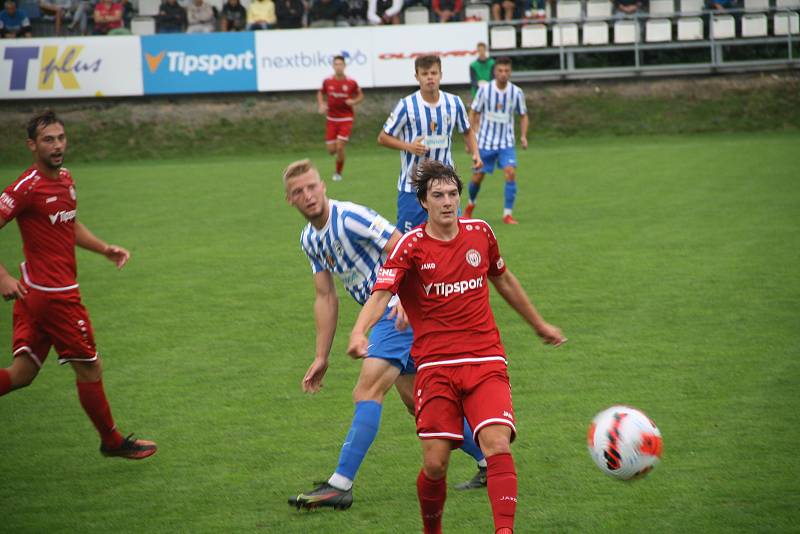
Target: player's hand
524	142
118	255
400	317
358	346
476	160
12	289
350	102
312	381
551	335
417	147
322	110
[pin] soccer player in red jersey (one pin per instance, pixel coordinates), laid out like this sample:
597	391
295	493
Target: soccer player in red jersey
47	307
342	94
441	271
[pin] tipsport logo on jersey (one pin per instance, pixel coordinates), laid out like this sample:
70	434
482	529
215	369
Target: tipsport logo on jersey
47	68
199	63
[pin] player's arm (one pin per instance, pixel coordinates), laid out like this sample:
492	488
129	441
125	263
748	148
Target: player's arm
416	147
523	131
10	287
471	143
321	107
474	120
87	240
357	99
511	290
370	314
326	313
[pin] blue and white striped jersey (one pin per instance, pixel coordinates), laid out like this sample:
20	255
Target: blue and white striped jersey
413	117
350	246
497	109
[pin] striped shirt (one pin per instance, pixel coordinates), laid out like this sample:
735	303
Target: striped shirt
497	110
350	245
413	117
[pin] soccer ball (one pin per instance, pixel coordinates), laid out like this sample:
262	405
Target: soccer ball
624	442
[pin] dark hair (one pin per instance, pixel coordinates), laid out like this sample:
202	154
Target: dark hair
426	62
430	171
42	119
503	60
482	44
338	57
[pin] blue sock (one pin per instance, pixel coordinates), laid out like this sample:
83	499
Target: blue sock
366	420
473	191
511	194
469	446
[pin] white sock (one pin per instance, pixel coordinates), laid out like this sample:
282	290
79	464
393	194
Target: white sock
483	463
340	482
506	211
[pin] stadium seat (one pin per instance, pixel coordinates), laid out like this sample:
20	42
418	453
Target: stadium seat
478	11
690	29
565	34
600	8
723	27
143	26
626	31
149	8
503	37
754	25
534	36
662	7
568	9
595	33
658	30
756	5
691	6
791	4
416	15
785	23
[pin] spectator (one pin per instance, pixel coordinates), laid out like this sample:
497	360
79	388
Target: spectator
107	16
327	13
200	17
261	15
80	18
171	17
234	17
59	10
290	13
14	22
508	9
356	12
481	71
448	10
624	8
721	5
384	11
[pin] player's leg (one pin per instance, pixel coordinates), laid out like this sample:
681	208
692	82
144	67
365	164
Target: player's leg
508	161
343	129
30	346
330	137
488	157
432	483
21	373
470	447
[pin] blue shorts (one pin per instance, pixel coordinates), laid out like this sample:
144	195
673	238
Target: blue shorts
389	344
409	211
499	157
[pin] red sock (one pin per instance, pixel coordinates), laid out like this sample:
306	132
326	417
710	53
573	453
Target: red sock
432	494
339	166
501	480
5	382
93	400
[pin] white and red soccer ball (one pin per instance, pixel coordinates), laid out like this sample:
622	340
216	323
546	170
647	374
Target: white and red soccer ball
624	442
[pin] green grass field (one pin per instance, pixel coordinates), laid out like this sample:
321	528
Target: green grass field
671	263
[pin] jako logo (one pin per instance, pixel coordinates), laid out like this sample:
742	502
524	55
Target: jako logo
315	59
186	64
63	66
446	290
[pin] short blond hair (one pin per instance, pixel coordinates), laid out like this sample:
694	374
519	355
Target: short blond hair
296	168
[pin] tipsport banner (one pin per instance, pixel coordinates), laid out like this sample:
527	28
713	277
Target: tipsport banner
74	67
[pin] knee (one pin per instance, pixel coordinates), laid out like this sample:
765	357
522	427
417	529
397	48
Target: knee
370	392
88	371
492	443
21	379
510	174
331	148
435	467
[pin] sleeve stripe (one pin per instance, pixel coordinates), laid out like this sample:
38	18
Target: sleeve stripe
19	184
399	244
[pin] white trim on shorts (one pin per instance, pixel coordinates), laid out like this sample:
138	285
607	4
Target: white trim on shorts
62	361
494	420
447	435
459	361
42	288
32	356
340	119
340	138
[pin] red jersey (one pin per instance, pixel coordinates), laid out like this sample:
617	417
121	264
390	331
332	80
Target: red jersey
45	210
444	288
338	91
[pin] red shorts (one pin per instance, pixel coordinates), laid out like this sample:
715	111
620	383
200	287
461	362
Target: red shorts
338	130
448	393
43	319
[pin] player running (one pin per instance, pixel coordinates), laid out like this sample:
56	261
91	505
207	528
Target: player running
350	241
421	127
441	272
493	109
48	309
342	94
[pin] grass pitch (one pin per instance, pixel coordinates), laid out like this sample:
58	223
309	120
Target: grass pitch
671	263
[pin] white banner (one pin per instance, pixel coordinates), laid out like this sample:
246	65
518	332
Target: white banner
74	67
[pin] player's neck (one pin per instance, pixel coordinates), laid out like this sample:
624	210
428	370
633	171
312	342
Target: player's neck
501	86
446	232
47	171
431	97
339	77
321	220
